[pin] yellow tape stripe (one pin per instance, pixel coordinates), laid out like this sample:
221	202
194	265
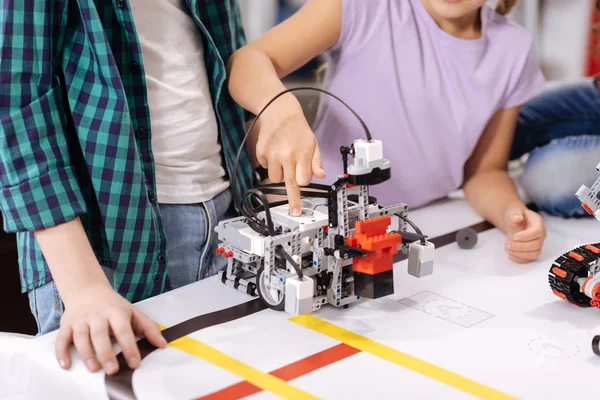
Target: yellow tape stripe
399	358
258	378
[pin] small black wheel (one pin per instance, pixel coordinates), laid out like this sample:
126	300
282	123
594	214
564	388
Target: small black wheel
466	238
596	345
346	305
272	298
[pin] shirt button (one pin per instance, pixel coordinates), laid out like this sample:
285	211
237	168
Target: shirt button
151	197
135	67
120	3
141	133
156	278
161	259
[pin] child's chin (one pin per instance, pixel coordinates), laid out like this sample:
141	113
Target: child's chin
452	9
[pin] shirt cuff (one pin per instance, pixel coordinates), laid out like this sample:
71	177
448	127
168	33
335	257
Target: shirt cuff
43	202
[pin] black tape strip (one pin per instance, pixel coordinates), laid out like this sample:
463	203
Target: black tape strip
120	386
449	238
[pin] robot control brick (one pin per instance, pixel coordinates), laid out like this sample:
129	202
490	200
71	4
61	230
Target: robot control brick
338	251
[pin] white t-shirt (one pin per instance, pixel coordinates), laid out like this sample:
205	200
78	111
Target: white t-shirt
184	130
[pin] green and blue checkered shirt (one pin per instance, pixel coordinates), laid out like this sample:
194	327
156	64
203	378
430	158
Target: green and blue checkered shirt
75	131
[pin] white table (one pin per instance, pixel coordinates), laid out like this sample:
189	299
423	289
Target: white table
480	324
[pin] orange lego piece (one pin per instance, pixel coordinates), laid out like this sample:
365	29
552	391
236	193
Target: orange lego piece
587	209
576	256
585	283
560	272
559	294
371	235
593	249
596	291
373	226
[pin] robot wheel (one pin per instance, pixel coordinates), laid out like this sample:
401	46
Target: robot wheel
272	298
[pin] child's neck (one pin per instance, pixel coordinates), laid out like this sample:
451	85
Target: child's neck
466	27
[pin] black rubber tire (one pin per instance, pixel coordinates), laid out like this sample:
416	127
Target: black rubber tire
466	238
277	307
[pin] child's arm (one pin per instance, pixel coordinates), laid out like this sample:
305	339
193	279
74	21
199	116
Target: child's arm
39	189
491	192
285	145
93	310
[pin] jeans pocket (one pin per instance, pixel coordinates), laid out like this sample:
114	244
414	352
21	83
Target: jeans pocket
222	204
33	307
58	304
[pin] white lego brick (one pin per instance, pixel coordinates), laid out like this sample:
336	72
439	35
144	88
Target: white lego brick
368	151
309	219
590	199
256	241
420	259
299	295
590	285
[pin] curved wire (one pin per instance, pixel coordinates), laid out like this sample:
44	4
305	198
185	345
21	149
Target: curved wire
256	223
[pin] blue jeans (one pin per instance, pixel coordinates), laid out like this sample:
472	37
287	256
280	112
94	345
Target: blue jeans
191	245
560	132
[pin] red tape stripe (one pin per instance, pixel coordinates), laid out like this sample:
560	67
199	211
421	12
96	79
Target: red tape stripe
287	373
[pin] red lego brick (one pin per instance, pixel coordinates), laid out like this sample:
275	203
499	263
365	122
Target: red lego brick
371	236
373	226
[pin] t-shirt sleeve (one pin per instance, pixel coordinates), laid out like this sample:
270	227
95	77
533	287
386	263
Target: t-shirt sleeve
349	20
357	21
526	81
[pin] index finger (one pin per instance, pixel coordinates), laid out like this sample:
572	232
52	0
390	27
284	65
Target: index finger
292	189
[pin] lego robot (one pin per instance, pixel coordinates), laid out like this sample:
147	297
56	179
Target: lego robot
338	251
574	275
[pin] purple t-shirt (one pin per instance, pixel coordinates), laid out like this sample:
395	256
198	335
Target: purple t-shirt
426	94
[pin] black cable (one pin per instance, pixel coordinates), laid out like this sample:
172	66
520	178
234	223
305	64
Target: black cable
282	192
263	199
289	258
316	186
236	199
414	226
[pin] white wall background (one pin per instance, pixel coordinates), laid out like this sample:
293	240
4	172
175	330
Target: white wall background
564	41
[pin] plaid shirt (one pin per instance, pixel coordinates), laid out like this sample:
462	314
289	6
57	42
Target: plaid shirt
75	131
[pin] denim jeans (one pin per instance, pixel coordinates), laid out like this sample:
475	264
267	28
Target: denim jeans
191	245
560	132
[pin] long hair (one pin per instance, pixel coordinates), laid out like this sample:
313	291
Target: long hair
504	6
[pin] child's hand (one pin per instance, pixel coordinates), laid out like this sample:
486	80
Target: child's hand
526	233
92	316
287	147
